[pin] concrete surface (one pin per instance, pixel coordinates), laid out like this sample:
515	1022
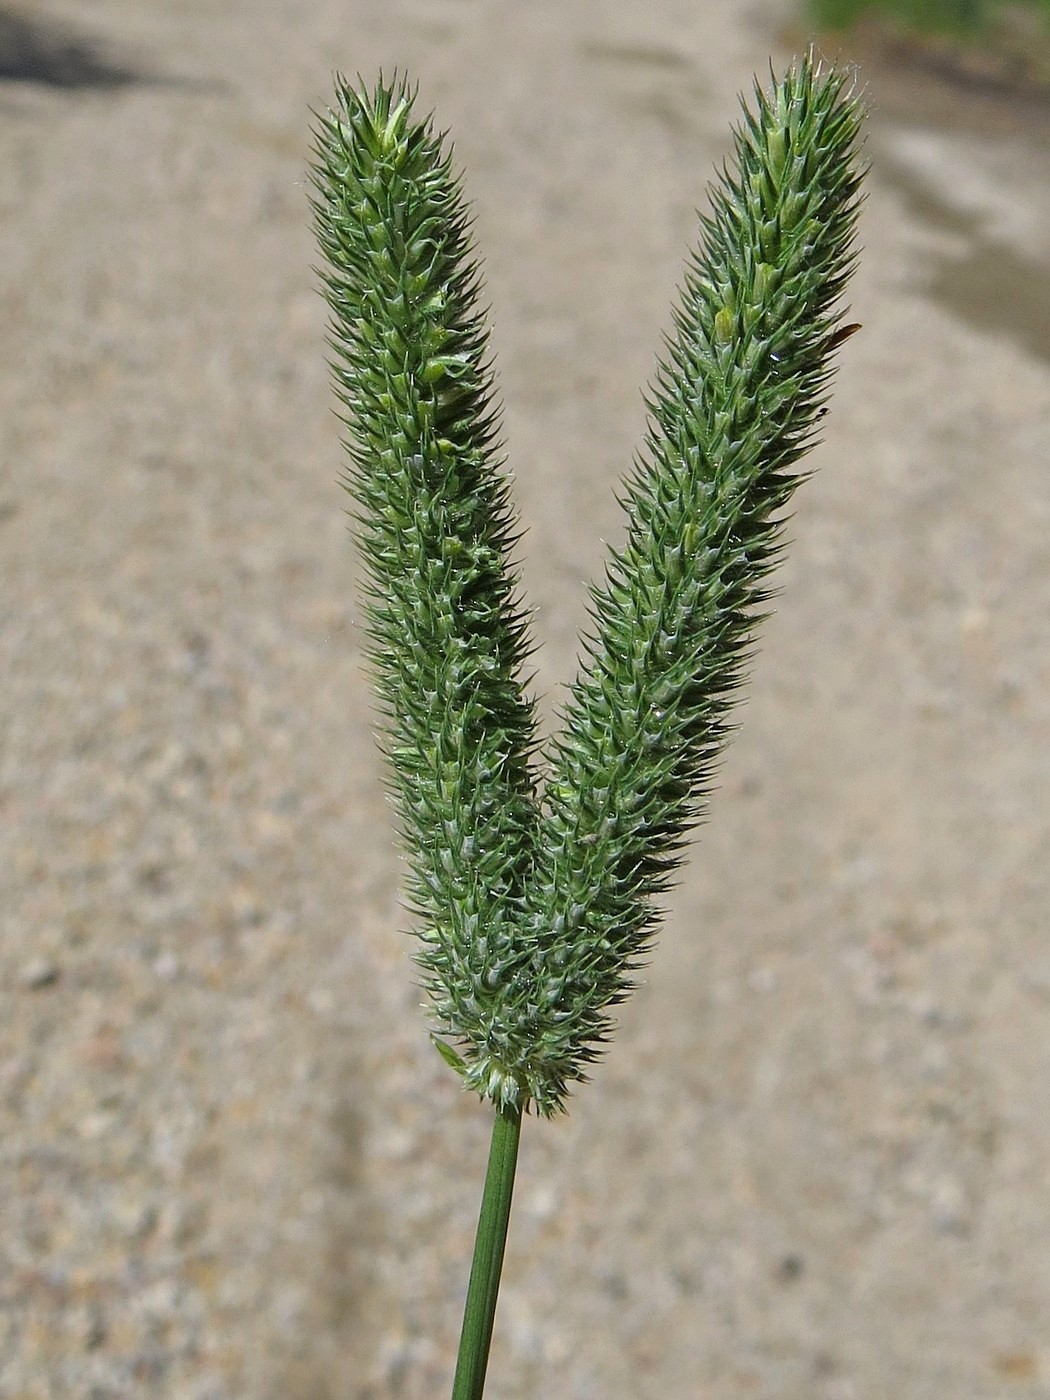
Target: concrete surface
816	1163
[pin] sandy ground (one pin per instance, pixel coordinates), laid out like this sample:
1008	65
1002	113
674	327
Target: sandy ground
816	1163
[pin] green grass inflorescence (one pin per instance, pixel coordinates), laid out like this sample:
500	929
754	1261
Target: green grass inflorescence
536	902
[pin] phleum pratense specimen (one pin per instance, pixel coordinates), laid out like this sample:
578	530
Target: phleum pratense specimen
535	866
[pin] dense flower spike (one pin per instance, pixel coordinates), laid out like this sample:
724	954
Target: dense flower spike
736	401
536	918
447	638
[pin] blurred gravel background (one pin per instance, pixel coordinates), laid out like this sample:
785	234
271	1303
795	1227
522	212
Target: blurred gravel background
816	1164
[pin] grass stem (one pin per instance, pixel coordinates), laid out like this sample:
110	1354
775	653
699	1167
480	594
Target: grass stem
489	1244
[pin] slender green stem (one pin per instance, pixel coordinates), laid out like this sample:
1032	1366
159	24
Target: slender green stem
489	1244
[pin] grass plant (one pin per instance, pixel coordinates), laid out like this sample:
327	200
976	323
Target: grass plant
961	18
536	867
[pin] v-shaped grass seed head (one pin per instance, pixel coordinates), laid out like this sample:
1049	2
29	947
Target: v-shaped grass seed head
535	906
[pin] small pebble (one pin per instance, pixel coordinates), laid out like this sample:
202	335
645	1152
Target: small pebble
37	973
166	967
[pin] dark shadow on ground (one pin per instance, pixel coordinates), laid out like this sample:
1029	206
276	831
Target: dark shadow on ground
991	287
49	54
35	51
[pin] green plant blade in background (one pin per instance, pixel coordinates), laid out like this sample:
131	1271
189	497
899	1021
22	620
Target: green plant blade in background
958	16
